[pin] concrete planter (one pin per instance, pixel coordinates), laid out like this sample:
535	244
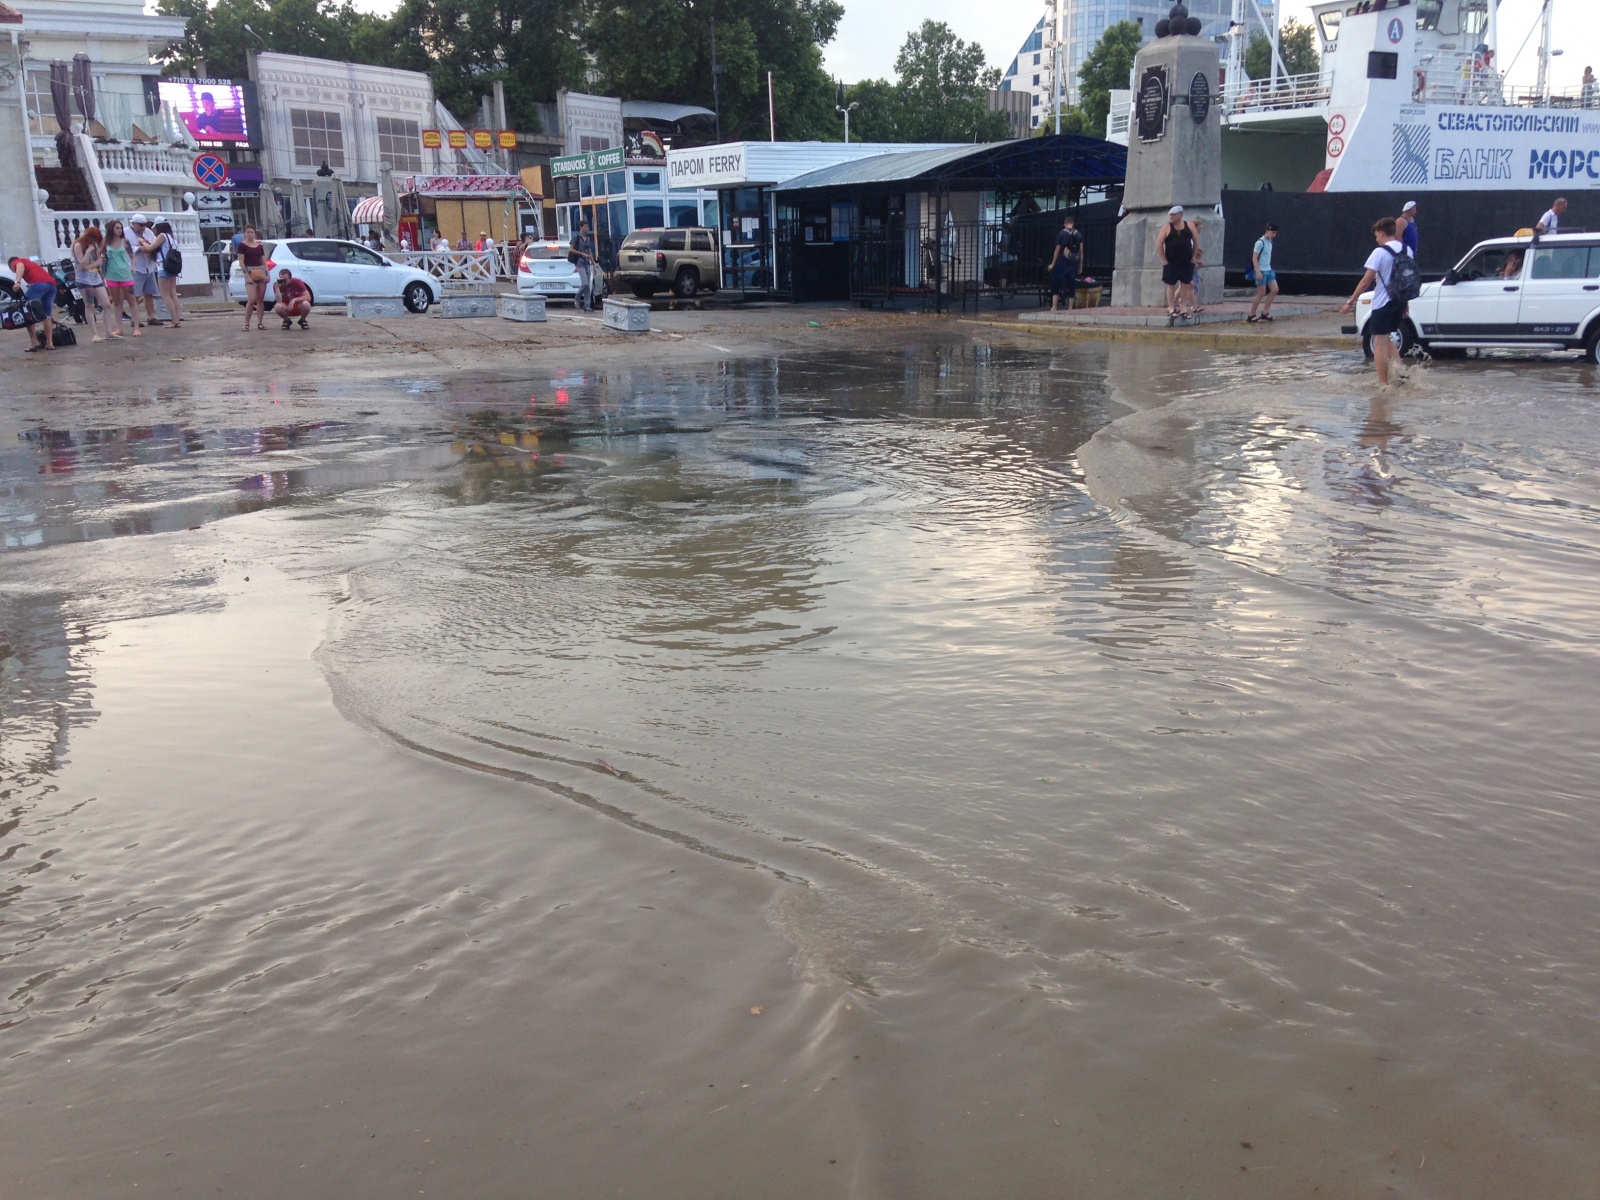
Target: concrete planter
522	308
627	316
366	307
467	306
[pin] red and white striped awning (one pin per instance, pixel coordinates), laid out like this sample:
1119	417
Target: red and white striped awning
368	212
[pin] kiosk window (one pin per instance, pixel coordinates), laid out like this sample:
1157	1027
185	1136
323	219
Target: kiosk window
1381	64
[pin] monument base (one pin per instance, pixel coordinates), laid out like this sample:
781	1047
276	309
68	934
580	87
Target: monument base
1136	243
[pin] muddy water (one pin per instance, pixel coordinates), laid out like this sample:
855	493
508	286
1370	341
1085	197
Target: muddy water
953	773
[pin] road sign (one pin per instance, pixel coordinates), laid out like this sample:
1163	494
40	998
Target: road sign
213	202
210	171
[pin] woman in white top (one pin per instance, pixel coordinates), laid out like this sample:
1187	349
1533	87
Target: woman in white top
166	242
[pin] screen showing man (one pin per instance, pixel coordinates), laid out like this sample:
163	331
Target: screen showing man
210	111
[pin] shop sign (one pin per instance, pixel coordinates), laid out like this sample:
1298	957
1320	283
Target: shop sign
587	164
506	139
432	139
482	139
705	166
458	139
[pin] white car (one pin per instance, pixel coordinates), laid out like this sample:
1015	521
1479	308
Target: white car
333	269
1509	293
545	271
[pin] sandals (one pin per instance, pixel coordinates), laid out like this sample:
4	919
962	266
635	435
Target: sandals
304	324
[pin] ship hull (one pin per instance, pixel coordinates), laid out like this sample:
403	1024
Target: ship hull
1325	237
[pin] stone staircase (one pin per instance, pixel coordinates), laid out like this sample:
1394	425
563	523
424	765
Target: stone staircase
68	188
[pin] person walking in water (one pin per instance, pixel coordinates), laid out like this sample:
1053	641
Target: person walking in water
1387	312
89	262
1175	245
1266	277
253	265
1064	266
119	279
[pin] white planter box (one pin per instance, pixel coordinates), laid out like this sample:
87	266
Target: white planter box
522	308
627	316
467	306
367	306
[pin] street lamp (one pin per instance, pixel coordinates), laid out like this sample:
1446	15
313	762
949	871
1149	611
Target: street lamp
847	109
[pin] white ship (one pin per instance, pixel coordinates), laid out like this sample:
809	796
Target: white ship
1411	102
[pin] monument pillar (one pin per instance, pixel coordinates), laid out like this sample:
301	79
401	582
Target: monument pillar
1174	157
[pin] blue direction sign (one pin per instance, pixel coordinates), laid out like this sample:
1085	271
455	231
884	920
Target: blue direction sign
210	171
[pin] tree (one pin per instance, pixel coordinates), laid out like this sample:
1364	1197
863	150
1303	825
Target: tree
943	86
531	46
1073	120
1105	70
320	28
1296	42
661	50
877	117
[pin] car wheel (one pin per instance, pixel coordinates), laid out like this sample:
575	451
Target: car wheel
686	284
417	297
643	290
1591	345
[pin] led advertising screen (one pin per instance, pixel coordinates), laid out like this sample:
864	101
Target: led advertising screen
213	110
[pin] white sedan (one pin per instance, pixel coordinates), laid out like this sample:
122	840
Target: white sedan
545	271
334	269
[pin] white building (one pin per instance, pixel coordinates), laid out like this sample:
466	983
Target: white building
335	132
130	154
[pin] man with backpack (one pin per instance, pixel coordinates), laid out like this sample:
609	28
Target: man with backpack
1392	276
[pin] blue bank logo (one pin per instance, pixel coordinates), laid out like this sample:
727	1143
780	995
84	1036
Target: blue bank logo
1410	164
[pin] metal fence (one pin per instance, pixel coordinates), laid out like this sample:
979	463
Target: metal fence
970	262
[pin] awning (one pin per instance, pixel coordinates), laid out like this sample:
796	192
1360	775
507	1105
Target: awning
368	212
1035	163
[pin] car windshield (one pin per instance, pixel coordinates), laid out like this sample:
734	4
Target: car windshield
537	250
646	240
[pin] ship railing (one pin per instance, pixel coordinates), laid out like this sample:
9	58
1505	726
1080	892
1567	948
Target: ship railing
1288	92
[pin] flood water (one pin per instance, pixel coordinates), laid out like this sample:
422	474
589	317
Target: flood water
1100	771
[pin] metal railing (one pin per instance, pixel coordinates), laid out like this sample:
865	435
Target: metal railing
58	230
964	261
1286	92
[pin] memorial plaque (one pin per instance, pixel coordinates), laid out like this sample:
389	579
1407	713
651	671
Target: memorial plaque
1152	104
1200	97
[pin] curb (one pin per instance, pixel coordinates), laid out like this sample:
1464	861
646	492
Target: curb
1196	336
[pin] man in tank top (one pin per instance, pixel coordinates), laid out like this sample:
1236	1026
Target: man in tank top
1175	246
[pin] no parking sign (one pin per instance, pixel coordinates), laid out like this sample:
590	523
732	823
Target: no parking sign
210	171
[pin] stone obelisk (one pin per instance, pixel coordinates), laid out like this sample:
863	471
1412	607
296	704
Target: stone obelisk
1174	157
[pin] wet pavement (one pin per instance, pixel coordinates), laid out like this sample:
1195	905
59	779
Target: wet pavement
935	770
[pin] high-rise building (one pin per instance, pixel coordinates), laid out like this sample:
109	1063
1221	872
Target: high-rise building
1081	24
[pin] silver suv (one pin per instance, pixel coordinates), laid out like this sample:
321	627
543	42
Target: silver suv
685	260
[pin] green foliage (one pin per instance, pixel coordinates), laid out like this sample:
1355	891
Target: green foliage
1073	120
1296	42
1105	70
466	45
877	115
320	28
661	50
944	88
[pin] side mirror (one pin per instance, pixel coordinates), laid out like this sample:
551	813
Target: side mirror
1451	278
384	262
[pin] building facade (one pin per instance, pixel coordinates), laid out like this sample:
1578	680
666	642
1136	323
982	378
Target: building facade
1076	26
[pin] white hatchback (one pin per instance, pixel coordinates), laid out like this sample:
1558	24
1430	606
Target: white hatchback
1509	293
333	269
545	271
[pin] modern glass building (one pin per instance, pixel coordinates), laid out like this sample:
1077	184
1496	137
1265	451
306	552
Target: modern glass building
1083	22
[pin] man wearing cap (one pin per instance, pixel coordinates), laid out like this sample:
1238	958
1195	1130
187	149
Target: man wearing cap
1406	227
1175	245
144	267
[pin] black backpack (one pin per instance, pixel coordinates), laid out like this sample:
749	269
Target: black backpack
172	261
1405	280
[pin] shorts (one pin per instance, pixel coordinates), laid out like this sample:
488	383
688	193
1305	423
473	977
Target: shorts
44	293
1263	278
120	283
144	284
1175	273
1386	320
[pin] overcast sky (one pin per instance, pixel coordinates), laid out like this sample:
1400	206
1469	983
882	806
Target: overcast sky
873	30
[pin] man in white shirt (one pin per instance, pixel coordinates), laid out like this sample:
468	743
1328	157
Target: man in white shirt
1551	221
1387	312
144	268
